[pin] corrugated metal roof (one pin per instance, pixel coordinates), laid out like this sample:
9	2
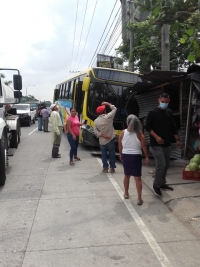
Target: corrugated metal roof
158	77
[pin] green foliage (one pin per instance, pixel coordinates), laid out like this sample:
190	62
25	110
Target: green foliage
184	19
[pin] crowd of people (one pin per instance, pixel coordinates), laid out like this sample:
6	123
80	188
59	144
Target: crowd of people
159	123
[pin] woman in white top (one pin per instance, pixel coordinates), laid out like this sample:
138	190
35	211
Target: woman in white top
131	143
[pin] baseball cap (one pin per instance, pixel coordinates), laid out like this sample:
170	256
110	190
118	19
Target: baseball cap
100	109
52	106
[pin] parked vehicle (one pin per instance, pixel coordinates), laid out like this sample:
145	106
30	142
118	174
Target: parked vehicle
26	113
9	122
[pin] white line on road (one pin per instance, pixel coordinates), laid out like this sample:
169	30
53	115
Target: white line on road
141	225
32	131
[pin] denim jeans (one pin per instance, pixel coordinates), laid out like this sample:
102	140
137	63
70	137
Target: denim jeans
110	147
162	158
74	146
39	123
45	124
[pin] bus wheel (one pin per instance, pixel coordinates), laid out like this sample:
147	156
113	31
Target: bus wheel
3	160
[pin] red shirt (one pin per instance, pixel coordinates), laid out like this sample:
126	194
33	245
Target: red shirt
75	124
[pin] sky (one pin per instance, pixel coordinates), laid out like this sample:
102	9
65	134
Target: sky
37	38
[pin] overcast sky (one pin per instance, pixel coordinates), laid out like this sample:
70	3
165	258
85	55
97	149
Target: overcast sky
37	38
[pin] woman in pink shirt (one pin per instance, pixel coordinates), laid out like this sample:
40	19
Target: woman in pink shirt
73	127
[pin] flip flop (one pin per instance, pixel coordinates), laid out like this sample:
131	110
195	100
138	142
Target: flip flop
126	197
140	202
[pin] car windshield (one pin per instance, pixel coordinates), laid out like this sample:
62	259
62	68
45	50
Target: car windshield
21	107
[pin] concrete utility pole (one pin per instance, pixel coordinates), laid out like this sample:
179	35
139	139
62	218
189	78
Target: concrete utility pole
124	20
165	48
129	13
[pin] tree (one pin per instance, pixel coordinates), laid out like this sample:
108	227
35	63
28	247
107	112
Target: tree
176	13
184	18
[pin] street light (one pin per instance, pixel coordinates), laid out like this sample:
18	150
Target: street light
27	87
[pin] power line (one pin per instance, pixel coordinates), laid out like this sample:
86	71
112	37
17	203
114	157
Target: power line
81	34
133	12
88	33
110	28
103	33
74	35
112	35
106	36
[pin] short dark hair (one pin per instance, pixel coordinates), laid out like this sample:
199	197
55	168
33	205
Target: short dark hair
164	95
72	108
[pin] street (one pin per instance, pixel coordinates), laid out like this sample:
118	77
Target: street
54	214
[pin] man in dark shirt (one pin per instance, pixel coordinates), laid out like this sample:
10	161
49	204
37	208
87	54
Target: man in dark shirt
161	127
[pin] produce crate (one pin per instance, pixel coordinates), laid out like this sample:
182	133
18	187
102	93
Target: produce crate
191	175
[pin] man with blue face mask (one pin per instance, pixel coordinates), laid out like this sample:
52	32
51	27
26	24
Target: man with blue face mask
161	127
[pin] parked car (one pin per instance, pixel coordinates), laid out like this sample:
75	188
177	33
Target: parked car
26	113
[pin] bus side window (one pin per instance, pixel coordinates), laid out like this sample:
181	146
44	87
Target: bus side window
1	93
71	89
66	90
61	90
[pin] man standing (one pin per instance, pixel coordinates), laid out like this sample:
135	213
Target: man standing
103	129
56	130
45	118
161	127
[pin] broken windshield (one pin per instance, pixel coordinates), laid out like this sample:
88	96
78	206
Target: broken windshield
117	95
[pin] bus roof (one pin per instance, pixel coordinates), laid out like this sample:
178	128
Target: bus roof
87	71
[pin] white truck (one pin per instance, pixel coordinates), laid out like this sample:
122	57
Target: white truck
9	122
26	113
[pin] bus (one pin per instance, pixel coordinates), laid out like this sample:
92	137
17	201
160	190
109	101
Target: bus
86	90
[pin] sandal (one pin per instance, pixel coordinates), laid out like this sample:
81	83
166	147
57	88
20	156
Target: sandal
126	197
140	202
77	158
71	163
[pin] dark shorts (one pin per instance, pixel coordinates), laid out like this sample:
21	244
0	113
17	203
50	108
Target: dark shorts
132	164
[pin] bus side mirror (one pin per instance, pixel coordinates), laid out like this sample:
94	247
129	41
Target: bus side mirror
86	84
17	80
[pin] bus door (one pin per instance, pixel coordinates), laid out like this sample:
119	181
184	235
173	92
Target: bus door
79	98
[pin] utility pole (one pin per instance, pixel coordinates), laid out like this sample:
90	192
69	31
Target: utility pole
128	14
165	48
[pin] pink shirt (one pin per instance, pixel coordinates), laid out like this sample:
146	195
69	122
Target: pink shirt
75	124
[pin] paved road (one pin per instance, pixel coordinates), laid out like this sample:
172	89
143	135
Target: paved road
53	214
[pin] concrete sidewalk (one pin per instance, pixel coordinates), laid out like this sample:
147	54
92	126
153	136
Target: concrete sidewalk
184	201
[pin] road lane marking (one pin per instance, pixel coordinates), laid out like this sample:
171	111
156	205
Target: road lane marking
141	225
32	131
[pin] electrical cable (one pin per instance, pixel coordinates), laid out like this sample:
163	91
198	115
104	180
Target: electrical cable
74	34
88	33
134	11
103	33
81	33
116	26
120	32
110	28
113	32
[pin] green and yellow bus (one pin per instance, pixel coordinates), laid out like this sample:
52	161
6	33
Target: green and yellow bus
86	90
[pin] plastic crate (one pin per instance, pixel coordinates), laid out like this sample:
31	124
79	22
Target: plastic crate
191	175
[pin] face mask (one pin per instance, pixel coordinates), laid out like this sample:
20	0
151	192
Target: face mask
163	105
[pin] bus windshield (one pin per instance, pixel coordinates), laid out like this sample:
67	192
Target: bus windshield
118	95
117	76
